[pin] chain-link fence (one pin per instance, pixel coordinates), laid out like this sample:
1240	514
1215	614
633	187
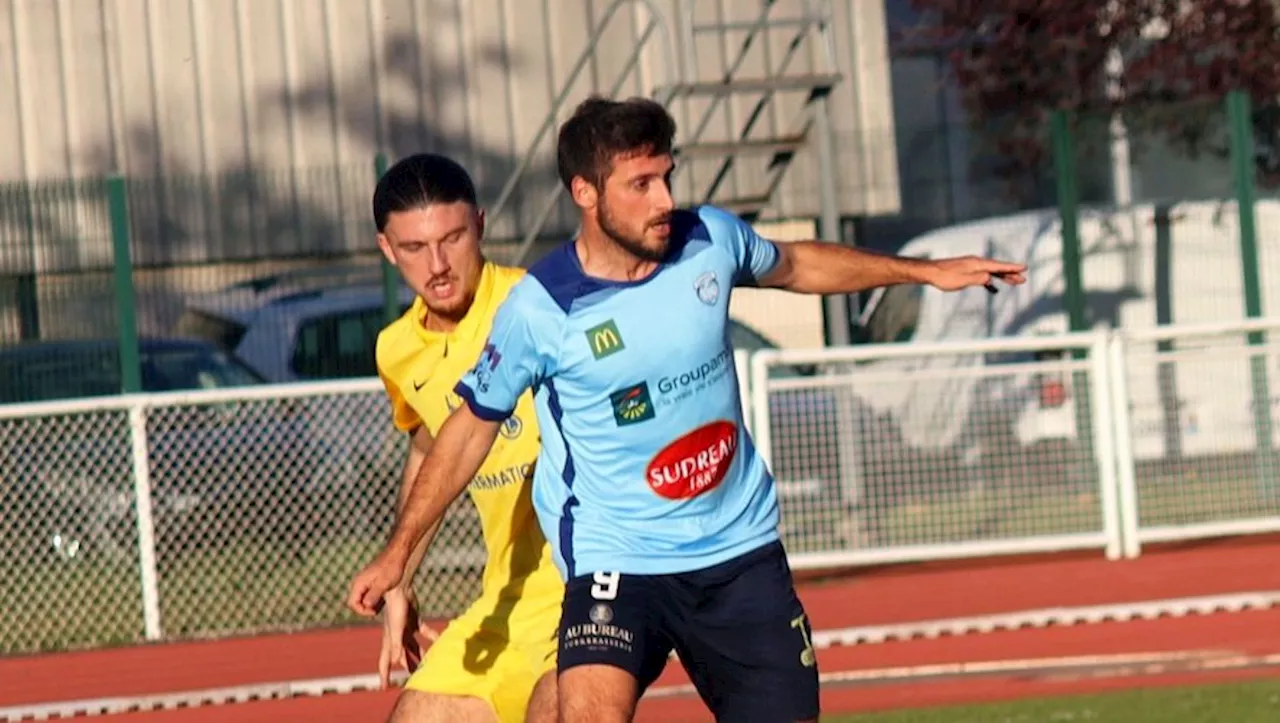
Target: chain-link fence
262	505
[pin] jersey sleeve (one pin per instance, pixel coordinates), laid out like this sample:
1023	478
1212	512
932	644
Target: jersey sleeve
403	414
754	255
514	359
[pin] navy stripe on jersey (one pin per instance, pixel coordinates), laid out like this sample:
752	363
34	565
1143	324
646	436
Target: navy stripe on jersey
561	274
566	519
486	413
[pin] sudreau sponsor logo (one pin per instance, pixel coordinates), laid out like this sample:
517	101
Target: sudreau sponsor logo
695	463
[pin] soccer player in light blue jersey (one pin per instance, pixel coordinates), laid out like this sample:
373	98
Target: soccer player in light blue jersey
662	517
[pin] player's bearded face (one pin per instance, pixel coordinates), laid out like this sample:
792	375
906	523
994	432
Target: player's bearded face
437	250
634	209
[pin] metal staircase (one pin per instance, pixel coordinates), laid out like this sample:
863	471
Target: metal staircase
746	153
747	142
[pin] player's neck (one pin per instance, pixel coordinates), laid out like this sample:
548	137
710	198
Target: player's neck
602	258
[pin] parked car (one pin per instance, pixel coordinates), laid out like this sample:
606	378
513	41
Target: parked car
219	472
70	369
297	326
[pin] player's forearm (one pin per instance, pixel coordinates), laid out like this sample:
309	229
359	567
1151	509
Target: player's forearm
419	446
432	493
818	267
416	557
454	460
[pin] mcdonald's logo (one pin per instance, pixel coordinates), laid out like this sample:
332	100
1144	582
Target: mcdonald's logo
604	340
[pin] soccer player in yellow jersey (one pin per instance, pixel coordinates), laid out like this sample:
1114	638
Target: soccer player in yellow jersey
497	661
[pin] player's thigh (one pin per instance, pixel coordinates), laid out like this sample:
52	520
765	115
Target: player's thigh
597	694
544	705
747	645
415	706
612	645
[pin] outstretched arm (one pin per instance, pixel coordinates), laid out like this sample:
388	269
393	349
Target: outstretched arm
455	457
819	267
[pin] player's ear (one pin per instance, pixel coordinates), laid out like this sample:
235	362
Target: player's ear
584	192
480	223
384	244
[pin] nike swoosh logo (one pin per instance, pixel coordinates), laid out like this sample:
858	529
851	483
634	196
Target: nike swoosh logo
418	385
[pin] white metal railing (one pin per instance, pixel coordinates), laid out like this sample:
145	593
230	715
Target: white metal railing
924	452
1198	454
233	511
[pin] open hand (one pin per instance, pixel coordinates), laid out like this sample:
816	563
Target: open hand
962	272
371	583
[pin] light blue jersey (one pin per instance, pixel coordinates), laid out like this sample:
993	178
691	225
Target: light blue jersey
646	466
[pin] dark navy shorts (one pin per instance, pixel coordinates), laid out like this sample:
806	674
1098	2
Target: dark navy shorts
738	627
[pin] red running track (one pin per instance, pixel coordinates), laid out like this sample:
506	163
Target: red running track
898	594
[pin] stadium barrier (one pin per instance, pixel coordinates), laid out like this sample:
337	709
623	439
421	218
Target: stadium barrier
236	511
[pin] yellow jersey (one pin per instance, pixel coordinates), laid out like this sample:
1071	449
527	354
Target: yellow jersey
419	369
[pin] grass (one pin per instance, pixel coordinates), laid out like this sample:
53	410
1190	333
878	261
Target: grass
1252	702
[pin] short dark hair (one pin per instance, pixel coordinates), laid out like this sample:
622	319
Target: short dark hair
601	129
418	181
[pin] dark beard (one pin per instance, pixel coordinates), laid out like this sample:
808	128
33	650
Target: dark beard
633	246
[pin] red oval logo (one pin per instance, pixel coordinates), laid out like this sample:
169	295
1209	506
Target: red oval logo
695	463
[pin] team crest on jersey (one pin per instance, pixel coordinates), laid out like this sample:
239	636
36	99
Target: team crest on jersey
632	405
707	286
511	427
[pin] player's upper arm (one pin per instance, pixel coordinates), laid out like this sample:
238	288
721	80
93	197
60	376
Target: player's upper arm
518	354
757	258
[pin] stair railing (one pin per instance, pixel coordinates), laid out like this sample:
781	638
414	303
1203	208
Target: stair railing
674	75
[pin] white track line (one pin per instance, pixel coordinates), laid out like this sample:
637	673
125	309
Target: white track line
1064	616
1178	607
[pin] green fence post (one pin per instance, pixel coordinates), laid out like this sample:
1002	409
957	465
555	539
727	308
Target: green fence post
122	266
1064	162
390	277
1243	172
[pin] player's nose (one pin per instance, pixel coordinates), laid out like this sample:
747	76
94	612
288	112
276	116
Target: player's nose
662	199
438	261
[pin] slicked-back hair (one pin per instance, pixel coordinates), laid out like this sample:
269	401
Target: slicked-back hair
601	130
419	181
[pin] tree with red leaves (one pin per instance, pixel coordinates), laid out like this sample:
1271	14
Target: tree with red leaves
1017	60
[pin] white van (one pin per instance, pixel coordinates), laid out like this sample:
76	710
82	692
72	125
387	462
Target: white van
1145	266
